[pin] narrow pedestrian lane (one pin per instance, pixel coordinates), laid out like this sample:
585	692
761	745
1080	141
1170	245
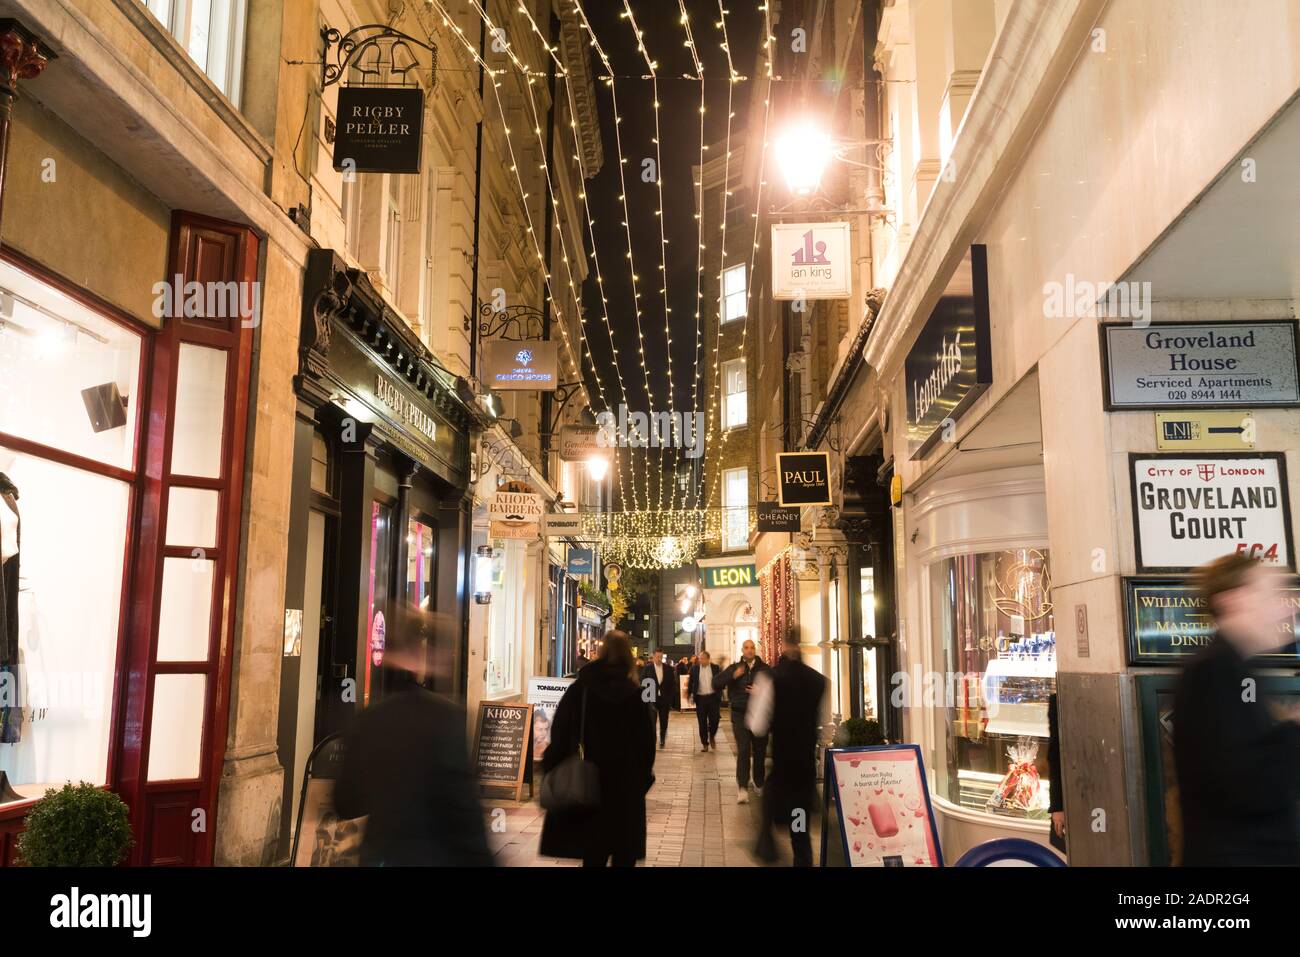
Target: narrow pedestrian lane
692	818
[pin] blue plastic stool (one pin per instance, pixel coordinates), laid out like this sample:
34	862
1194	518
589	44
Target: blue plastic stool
1009	851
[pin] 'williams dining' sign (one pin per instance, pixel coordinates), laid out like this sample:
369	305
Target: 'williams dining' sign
951	363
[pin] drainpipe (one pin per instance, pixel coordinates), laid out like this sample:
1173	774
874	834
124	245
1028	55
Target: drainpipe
478	207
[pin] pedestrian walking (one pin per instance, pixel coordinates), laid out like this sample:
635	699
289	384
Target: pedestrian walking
751	749
659	675
1238	765
617	735
406	768
708	709
790	701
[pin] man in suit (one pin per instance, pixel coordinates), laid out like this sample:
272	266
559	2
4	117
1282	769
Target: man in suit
659	675
708	709
1238	765
750	748
789	700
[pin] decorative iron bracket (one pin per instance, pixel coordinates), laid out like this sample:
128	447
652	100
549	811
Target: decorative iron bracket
348	46
515	323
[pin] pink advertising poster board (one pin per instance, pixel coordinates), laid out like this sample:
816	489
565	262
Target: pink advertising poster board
883	806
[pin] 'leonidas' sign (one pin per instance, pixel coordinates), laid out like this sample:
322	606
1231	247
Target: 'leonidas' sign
379	129
951	363
1189	510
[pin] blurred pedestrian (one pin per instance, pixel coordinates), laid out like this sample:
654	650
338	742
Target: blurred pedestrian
1238	766
708	710
751	749
657	675
617	735
790	701
406	768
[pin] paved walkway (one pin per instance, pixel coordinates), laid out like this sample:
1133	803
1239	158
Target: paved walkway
692	818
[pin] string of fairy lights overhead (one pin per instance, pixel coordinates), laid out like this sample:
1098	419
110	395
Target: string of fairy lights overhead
530	75
652	66
768	41
661	528
696	367
627	230
704	496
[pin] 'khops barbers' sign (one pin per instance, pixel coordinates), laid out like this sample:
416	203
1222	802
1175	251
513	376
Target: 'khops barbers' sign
951	363
1191	365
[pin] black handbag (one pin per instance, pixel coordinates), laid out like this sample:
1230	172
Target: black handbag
574	783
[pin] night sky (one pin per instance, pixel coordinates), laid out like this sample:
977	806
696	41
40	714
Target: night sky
679	147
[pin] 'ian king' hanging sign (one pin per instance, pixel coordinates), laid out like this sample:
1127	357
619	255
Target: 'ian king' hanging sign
951	363
805	478
1233	365
1189	510
810	261
379	129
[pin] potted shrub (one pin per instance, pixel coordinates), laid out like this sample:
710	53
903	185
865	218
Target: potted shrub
859	732
77	826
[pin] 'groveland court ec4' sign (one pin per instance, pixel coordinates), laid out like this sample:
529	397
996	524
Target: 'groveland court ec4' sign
1188	510
951	363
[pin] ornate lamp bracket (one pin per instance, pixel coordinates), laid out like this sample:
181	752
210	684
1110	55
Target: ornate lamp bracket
348	47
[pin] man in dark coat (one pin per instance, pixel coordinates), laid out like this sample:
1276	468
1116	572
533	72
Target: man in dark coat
790	701
708	709
659	675
406	768
750	748
1238	766
618	736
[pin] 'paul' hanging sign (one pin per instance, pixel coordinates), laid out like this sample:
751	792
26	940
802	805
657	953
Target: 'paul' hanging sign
805	478
951	363
379	129
810	261
1189	510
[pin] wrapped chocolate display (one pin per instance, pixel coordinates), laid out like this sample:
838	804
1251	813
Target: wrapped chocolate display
1020	788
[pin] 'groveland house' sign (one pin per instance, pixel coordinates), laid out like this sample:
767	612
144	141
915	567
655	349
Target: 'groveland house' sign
951	363
1188	510
1197	365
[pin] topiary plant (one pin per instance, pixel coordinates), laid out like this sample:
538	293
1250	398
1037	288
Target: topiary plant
78	826
859	732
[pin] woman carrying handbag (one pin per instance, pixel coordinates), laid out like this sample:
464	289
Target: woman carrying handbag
602	712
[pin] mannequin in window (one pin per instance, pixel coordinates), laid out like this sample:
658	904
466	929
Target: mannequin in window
10	528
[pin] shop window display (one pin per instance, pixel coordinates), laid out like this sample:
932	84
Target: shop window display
996	643
68	460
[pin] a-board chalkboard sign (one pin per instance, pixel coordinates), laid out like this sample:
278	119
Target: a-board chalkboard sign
502	756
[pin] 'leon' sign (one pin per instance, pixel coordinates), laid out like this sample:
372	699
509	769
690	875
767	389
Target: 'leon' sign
951	363
805	478
730	576
379	129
